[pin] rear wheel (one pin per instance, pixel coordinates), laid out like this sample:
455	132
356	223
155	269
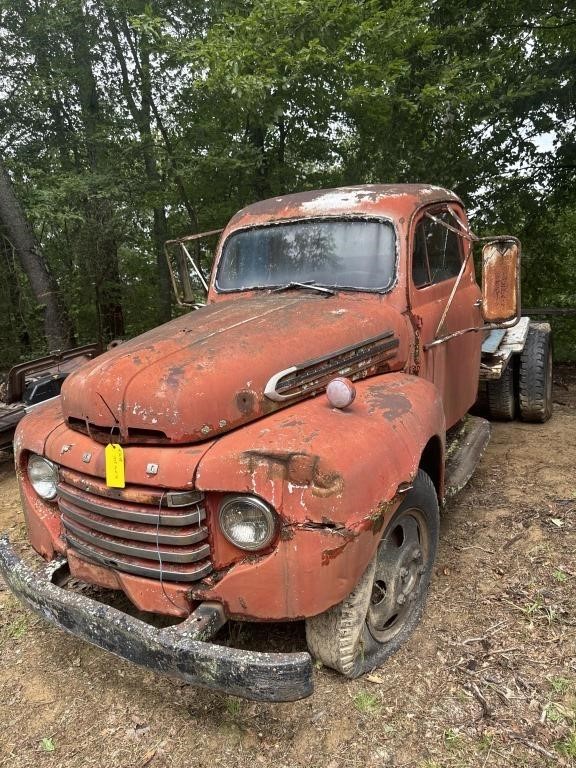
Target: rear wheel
362	631
501	395
535	378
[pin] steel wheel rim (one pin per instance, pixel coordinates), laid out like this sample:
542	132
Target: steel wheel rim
401	563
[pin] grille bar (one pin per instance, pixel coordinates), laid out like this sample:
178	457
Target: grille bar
137	514
169	572
136	494
176	537
124	547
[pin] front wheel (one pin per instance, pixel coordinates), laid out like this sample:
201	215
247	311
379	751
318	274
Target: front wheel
373	622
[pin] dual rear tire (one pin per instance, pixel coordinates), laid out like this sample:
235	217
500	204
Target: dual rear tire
525	387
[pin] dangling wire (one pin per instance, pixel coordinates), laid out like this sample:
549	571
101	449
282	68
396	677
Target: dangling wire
166	595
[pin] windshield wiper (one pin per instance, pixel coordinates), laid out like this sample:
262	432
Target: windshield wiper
309	284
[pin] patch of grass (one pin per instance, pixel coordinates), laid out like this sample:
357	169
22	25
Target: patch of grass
567	746
560	576
233	706
537	611
17	628
560	685
485	742
553	715
452	738
47	745
367	703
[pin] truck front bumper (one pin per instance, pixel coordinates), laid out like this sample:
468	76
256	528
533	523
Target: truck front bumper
173	651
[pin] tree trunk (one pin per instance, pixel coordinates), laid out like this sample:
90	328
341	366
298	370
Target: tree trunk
56	323
142	115
101	245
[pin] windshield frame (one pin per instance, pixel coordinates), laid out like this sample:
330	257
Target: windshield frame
301	219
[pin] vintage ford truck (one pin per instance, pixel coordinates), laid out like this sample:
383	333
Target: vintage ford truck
280	453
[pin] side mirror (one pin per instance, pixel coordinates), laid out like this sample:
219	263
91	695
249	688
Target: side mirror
189	283
501	280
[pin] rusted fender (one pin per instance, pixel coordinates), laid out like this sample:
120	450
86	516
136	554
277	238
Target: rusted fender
333	476
319	464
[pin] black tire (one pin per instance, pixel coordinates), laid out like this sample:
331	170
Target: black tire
535	377
501	395
356	636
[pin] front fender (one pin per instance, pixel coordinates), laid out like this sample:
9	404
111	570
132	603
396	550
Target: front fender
333	476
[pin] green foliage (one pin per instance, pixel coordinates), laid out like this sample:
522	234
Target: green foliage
367	703
47	745
125	122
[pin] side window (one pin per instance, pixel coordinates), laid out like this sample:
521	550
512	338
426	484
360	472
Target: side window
436	254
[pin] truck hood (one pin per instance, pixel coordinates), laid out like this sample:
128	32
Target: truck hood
205	373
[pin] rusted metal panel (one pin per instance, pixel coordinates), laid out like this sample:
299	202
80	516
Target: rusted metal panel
182	383
386	200
501	281
465	445
333	477
168	599
511	342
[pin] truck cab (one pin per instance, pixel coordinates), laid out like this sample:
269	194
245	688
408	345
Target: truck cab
279	453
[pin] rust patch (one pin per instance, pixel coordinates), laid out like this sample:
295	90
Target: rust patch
292	423
393	405
375	522
327	484
331	554
297	468
246	401
500	265
174	374
416	321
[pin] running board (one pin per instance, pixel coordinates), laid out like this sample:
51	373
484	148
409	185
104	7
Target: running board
465	444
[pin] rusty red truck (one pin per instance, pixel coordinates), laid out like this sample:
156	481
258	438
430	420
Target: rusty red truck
281	452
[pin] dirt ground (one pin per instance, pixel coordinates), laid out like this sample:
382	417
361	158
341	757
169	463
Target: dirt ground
487	680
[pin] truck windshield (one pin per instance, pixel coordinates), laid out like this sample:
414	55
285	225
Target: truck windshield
334	253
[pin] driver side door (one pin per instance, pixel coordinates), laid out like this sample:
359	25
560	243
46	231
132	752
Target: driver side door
437	254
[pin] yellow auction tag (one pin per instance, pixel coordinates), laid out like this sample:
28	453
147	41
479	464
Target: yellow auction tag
114	456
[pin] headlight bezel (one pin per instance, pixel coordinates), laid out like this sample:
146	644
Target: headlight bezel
35	459
255	503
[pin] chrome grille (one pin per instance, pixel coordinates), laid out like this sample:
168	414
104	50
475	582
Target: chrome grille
139	530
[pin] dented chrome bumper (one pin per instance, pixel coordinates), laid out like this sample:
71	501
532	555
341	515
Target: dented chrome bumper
174	651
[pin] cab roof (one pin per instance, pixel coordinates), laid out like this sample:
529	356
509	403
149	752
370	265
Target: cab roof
389	200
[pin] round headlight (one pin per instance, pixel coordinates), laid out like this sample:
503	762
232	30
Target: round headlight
247	522
43	476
